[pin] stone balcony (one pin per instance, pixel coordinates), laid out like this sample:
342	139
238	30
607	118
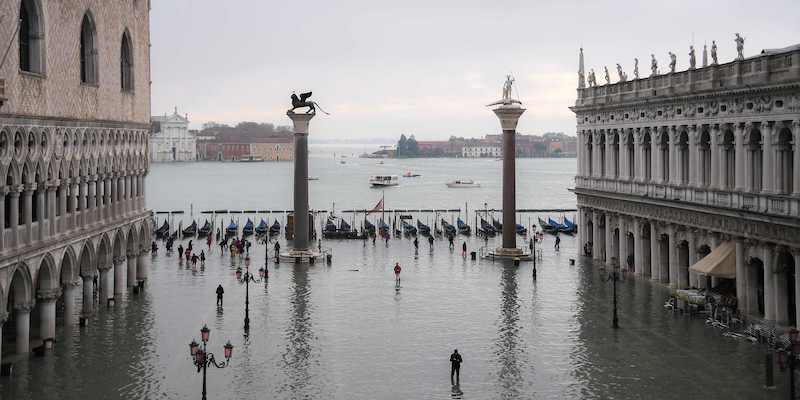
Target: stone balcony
770	67
759	203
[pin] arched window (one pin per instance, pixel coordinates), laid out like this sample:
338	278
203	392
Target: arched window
647	156
631	156
729	161
664	147
785	162
126	63
704	169
88	51
683	157
30	37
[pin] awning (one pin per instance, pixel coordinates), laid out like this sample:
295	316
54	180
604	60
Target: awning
720	263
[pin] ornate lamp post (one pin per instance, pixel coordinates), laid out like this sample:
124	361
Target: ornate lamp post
202	359
246	278
614	277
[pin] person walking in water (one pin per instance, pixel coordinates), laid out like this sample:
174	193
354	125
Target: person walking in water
450	240
220	292
558	243
430	241
455	366
416	243
180	252
397	270
202	257
464	249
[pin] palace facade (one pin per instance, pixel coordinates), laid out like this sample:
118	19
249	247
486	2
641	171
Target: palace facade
74	127
704	162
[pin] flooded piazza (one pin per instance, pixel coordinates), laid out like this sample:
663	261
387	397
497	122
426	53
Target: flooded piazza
344	331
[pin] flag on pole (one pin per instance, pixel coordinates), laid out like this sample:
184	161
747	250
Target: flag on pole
378	207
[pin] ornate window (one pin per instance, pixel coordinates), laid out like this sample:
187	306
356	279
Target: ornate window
88	51
126	63
30	37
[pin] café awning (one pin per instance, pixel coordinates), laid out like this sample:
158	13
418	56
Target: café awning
720	263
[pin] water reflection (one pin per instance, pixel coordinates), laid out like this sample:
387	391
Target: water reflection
509	346
299	354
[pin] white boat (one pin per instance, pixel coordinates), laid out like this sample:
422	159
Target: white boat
463	183
384	180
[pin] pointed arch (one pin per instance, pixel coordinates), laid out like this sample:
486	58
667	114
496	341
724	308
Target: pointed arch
87	265
103	259
47	276
20	289
68	272
126	62
88	49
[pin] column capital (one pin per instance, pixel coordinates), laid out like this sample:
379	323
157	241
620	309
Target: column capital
3	317
103	267
30	187
48	295
72	283
118	260
25	307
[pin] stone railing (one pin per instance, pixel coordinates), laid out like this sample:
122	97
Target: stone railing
773	204
758	70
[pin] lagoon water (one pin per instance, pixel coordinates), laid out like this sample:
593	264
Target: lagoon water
343	331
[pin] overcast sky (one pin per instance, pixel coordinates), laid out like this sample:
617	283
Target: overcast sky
426	67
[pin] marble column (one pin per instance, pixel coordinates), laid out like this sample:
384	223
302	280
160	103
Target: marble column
694	157
22	314
40	212
741	180
741	278
88	295
120	268
768	159
781	293
13	218
92	212
301	122
769	282
638	157
509	115
655	155
608	241
142	265
581	161
672	262
623	242
27	211
107	198
596	156
3	235
796	170
114	198
714	147
638	262
46	300
655	253
53	210
796	256
596	252
82	216
106	285
674	169
63	224
69	302
132	268
692	248
3	319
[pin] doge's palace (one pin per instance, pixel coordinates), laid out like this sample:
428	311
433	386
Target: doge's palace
700	164
74	124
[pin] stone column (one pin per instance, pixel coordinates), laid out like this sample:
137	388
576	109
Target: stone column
88	295
768	160
62	218
27	211
41	213
93	217
674	168
73	200
638	263
52	207
796	171
69	302
596	156
119	275
638	156
769	282
741	278
740	170
3	319
692	279
608	240
13	217
47	314
694	157
655	154
301	122
509	115
655	253
82	203
107	198
22	313
781	294
114	198
672	264
596	252
142	265
714	147
796	255
609	167
581	161
106	285
3	236
132	268
623	242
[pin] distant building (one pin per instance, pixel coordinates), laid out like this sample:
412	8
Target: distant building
171	139
246	141
480	148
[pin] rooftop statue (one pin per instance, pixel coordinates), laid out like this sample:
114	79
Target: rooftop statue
672	61
592	80
507	99
635	68
705	56
692	60
653	65
622	76
608	78
713	52
739	47
581	74
302	101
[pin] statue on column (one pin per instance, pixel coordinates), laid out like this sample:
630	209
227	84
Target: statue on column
608	78
581	77
302	101
739	47
672	61
622	76
713	52
692	61
507	99
653	65
636	68
705	56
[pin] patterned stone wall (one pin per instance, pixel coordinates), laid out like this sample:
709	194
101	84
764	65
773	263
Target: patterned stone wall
58	92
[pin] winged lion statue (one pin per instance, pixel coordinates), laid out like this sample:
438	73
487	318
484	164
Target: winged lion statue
303	101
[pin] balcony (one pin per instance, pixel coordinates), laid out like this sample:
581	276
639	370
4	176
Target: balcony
771	204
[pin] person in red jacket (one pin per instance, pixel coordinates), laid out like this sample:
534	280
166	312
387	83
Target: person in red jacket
397	270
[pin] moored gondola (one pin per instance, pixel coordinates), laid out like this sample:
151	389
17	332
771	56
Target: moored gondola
487	229
408	229
342	231
463	228
423	229
383	228
163	231
205	230
369	227
173	236
521	230
547	227
449	230
568	227
275	229
262	227
498	226
232	229
190	230
248	228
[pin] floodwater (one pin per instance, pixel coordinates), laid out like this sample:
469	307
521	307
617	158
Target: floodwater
344	331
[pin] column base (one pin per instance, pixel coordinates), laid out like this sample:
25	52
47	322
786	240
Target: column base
503	253
304	256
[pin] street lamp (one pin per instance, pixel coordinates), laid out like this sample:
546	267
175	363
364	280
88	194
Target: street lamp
788	358
614	277
202	359
246	279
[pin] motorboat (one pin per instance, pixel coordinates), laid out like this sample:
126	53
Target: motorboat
384	180
408	174
463	183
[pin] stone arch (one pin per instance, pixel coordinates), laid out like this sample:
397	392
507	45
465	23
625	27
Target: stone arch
19	145
32	143
69	272
118	249
144	235
5	144
103	259
20	289
13	175
86	262
47	277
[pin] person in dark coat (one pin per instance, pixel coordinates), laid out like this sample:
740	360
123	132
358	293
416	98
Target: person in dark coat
455	365
220	292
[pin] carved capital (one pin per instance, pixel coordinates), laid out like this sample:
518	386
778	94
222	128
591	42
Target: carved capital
48	295
23	308
3	317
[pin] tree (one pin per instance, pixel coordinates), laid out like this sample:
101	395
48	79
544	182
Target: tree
411	147
401	146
